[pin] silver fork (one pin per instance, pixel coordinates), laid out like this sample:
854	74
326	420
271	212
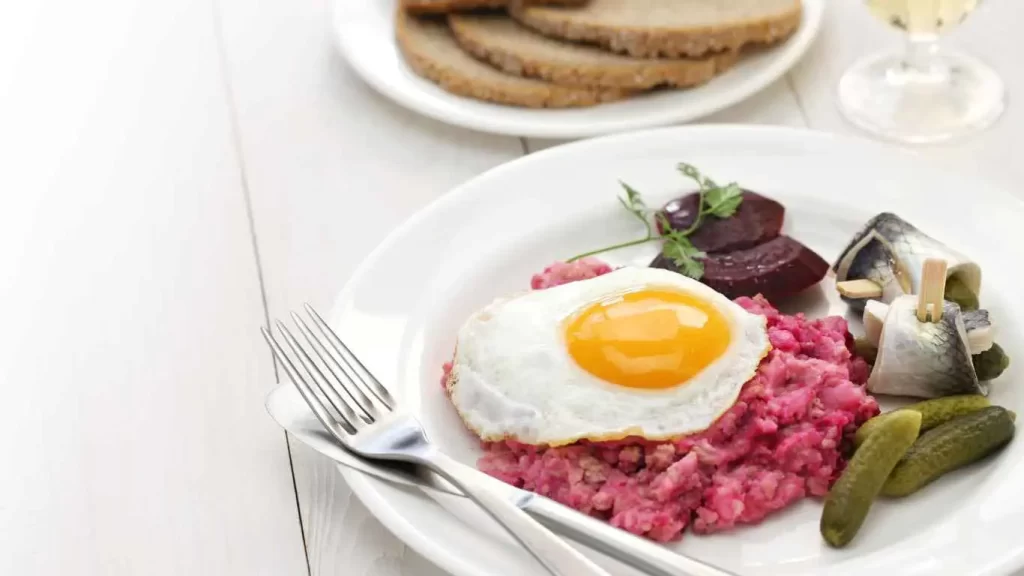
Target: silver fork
376	429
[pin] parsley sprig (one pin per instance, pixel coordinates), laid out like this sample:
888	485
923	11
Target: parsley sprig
715	200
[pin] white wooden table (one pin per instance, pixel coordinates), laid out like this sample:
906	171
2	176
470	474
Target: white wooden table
173	172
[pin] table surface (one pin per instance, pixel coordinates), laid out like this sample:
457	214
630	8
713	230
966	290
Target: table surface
174	174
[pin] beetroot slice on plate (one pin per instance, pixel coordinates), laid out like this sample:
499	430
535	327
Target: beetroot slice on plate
775	269
758	220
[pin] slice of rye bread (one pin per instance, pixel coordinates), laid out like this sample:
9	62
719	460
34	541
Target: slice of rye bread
447	6
666	28
431	50
518	50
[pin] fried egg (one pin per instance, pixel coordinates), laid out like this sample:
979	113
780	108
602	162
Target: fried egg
636	352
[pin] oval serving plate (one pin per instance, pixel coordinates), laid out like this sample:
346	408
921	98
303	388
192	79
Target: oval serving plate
401	310
364	31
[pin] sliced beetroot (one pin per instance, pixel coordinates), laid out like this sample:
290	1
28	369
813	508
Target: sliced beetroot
778	268
757	221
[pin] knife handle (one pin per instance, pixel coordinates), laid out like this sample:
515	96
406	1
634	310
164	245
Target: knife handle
552	552
635	551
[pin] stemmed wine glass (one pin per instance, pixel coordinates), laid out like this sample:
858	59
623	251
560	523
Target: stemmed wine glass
925	93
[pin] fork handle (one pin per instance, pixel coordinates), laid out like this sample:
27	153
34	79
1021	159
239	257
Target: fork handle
555	554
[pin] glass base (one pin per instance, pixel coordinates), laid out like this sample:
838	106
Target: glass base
953	95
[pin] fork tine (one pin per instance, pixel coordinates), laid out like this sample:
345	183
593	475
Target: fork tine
333	366
321	412
364	378
343	408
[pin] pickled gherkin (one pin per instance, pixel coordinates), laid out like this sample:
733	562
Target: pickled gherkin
863	348
949	446
849	500
991	363
933	413
957	291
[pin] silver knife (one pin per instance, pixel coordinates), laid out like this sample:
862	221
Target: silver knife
642	554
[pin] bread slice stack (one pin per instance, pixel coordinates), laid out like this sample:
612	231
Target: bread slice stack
572	53
449	6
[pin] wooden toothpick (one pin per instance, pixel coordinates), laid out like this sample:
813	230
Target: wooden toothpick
933	290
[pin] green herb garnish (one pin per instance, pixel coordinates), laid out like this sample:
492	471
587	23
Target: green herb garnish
681	251
715	200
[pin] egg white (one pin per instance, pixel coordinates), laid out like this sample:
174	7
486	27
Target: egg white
513	378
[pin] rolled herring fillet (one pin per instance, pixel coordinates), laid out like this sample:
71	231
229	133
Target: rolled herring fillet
924	359
980	332
891	252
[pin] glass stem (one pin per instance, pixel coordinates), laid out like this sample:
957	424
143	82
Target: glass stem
922	61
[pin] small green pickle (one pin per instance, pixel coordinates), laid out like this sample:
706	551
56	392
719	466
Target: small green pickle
849	500
865	349
933	413
991	363
957	291
952	445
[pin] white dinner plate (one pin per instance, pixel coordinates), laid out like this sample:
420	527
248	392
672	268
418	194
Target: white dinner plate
401	310
364	30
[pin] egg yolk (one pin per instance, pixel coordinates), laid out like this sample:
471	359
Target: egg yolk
648	338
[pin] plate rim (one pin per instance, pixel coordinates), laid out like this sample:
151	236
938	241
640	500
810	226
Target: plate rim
788	55
365	488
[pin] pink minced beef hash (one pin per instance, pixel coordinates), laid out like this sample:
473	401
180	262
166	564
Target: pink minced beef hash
782	440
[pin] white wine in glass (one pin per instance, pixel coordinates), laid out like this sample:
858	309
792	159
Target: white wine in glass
924	93
922	17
